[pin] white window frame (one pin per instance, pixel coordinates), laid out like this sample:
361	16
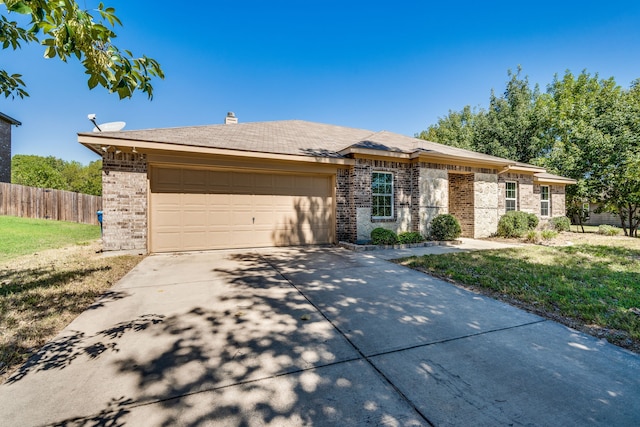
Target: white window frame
545	203
514	198
381	190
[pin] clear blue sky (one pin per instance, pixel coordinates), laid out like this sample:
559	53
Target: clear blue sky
376	65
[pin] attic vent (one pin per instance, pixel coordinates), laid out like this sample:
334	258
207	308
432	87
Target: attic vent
231	119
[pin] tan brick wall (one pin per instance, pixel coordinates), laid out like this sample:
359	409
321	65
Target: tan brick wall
124	189
486	204
433	196
527	202
558	200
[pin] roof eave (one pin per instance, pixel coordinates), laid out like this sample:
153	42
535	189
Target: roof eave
96	143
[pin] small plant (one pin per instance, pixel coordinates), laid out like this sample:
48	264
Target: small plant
549	234
445	227
561	223
533	221
382	236
515	224
532	236
408	237
608	230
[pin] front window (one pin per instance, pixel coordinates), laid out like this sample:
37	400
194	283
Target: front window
544	200
382	192
511	196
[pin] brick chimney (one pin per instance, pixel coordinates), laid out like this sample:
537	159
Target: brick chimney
5	146
231	119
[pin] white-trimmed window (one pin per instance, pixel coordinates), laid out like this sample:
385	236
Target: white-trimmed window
511	196
544	200
382	195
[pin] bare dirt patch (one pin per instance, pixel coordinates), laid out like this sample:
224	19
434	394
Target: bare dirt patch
43	292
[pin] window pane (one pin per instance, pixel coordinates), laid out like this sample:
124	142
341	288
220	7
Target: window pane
511	205
382	194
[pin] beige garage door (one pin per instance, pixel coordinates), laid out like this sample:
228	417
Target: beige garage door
197	209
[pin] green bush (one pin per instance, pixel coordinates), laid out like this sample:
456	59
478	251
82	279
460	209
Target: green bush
445	227
532	236
408	237
382	236
515	224
561	223
549	234
608	230
533	221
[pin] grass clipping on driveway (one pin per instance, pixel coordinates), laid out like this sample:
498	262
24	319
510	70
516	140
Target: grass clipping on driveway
593	287
43	292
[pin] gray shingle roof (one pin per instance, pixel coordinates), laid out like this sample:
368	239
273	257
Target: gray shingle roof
296	137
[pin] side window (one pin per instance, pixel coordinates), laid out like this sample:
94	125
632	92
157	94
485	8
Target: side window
511	196
544	200
382	195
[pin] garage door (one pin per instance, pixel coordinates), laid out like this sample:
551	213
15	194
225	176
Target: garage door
198	209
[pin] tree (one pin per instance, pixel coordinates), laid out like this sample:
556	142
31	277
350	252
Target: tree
68	31
512	127
594	135
51	172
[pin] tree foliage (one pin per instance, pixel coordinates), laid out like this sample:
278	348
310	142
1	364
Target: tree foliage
65	31
583	127
512	127
58	174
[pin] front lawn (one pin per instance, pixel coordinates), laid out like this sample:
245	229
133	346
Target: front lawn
41	289
592	286
22	236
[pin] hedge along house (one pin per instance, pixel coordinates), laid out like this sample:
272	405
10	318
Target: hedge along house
296	182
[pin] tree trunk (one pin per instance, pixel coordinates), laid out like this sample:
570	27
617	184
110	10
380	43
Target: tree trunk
622	220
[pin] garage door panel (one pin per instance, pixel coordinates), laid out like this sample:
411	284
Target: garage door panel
210	209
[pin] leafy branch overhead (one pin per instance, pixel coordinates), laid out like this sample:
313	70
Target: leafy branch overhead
68	31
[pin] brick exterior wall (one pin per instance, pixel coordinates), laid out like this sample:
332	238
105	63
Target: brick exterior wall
558	200
486	204
403	189
346	227
527	201
5	151
462	201
124	189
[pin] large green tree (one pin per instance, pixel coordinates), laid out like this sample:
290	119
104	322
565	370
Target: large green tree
583	127
512	126
67	31
58	174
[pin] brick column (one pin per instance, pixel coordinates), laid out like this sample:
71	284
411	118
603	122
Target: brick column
124	189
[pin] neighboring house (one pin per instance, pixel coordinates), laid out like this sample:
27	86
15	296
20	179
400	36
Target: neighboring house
5	146
296	182
601	218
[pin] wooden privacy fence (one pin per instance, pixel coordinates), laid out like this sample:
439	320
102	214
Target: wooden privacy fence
59	205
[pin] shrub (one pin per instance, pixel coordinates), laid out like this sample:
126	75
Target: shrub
532	220
561	223
382	236
608	230
532	236
549	234
514	224
408	237
445	227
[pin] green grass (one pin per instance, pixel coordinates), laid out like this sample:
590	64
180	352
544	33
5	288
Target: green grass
587	228
22	236
591	284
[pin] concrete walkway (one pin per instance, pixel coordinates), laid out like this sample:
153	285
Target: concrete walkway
314	336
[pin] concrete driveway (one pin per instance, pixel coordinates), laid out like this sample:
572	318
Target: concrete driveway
314	336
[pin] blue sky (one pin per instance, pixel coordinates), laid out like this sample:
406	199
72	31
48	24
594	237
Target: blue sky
394	66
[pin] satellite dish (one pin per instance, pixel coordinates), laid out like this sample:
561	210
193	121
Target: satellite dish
109	127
